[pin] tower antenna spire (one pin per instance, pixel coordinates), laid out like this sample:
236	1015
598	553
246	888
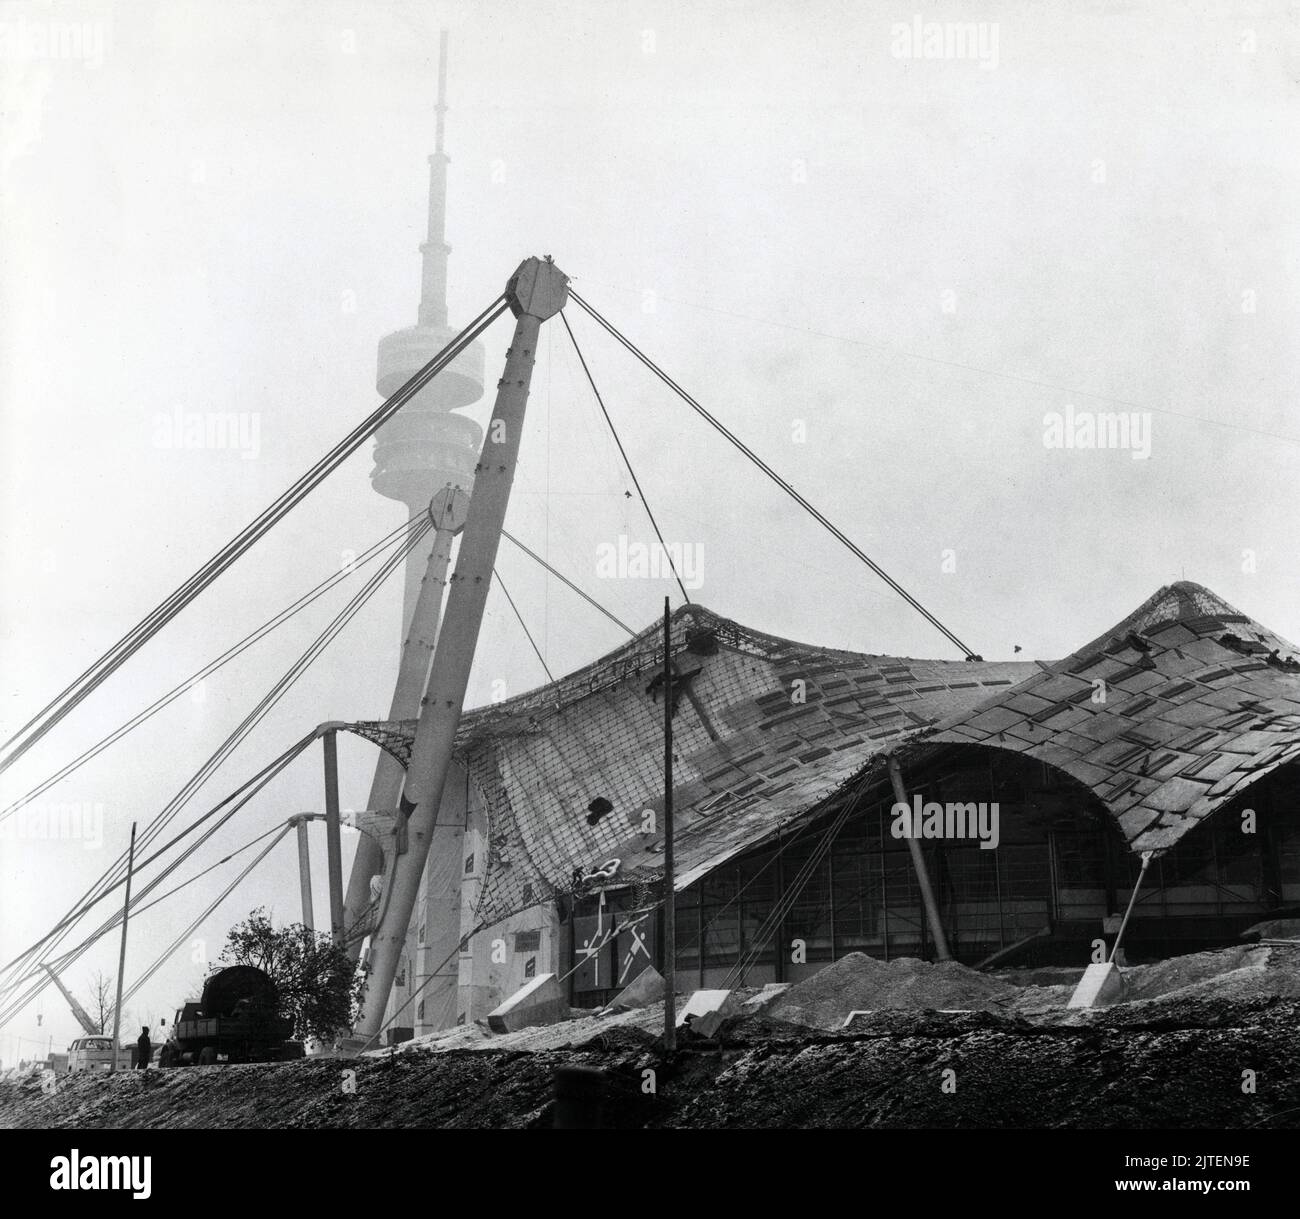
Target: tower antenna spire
442	89
435	250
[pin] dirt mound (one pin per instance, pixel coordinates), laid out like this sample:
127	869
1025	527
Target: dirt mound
1041	998
625	1037
858	982
1096	1076
1040	976
1259	973
1274	929
1176	973
1161	1065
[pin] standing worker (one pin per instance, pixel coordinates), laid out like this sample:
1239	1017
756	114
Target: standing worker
143	1050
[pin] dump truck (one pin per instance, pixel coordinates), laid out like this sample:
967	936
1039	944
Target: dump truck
237	1019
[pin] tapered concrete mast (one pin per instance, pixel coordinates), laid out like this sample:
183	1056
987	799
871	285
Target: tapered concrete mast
537	291
448	514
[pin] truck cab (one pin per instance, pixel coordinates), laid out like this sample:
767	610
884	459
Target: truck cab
235	1020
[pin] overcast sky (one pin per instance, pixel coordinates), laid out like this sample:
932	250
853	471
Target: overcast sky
882	262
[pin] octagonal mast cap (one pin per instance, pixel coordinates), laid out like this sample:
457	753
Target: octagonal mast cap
538	288
449	508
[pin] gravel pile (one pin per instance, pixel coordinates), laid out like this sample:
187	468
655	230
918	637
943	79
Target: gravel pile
858	982
1195	968
1262	972
1274	929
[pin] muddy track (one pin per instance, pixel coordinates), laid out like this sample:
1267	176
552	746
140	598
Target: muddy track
1150	1065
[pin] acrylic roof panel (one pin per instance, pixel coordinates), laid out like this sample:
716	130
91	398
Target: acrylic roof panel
765	730
1199	701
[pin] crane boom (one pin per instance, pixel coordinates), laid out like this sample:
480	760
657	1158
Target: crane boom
83	1017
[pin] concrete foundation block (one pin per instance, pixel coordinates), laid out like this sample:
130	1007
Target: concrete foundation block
1100	986
541	1001
705	1010
646	988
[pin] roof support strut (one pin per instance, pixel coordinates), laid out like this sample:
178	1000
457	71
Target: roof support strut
304	869
333	837
922	873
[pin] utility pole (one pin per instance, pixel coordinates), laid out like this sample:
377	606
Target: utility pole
121	956
670	896
537	291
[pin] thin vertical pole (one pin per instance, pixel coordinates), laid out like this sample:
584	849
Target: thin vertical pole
304	874
670	898
121	955
830	892
997	888
779	970
333	841
884	874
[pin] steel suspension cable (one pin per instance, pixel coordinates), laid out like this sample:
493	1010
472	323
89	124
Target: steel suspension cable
225	859
91	898
135	986
772	924
623	453
109	882
17	1002
114	920
230	654
532	554
753	457
259	712
541	659
91	678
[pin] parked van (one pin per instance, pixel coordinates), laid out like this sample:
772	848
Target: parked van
90	1054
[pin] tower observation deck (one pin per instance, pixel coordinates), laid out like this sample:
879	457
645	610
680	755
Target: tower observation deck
425	446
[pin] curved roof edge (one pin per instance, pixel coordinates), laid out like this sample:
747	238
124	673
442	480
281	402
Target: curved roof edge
1165	717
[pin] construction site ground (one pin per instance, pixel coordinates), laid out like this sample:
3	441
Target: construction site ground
935	1046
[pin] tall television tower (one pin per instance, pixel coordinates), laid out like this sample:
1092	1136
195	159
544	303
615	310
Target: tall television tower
426	447
422	450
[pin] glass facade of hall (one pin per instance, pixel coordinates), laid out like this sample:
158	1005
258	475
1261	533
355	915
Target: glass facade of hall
783	911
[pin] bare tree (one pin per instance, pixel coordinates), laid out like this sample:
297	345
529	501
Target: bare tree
195	990
102	993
